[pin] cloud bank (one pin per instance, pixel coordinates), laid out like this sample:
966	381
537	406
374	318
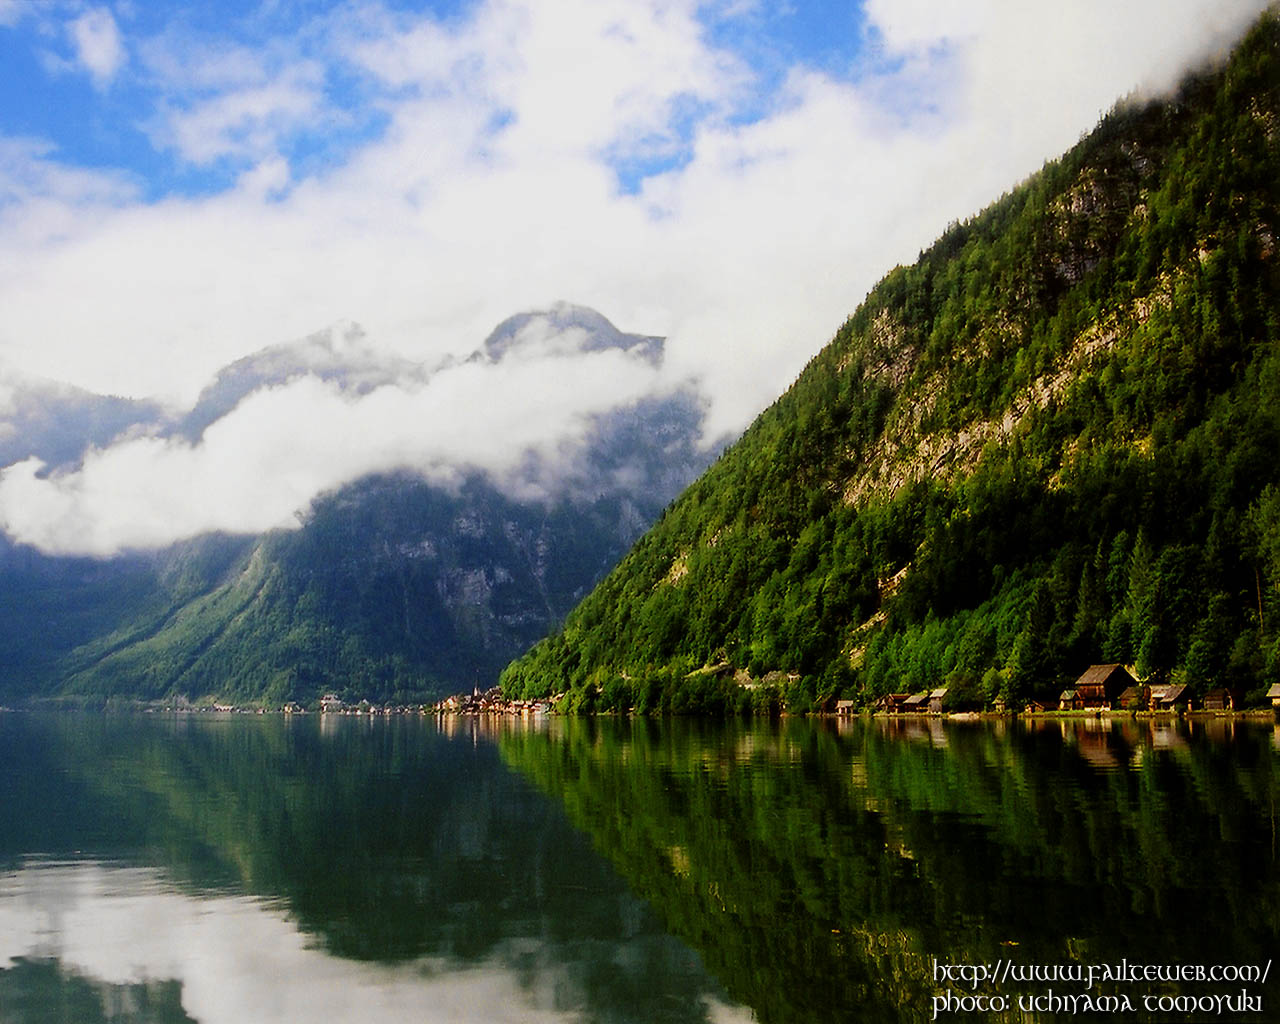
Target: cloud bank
522	420
426	176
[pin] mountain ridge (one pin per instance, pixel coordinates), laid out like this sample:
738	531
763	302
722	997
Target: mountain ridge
1048	442
391	586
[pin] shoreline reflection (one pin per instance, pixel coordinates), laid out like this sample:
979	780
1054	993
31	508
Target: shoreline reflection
154	870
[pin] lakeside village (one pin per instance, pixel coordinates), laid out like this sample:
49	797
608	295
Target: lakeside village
1100	689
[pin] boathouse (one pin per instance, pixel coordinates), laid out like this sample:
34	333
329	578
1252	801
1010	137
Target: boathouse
1165	698
892	703
1101	685
1273	695
1222	699
917	702
936	697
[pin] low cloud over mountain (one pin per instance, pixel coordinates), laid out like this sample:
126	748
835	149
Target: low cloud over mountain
543	408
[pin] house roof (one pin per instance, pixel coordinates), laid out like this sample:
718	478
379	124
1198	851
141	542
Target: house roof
917	698
1169	692
1067	695
939	693
1096	674
1130	692
1274	692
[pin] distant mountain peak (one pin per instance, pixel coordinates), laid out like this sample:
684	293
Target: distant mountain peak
340	355
565	329
56	422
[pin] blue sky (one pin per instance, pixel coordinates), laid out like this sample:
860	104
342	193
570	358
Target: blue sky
96	82
184	184
100	94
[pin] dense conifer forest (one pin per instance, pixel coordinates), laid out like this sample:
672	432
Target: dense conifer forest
1054	440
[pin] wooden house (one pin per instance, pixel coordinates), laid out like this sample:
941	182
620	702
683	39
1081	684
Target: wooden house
1034	707
1069	700
892	703
1222	699
845	707
1101	685
1135	697
936	697
1167	697
917	702
1273	695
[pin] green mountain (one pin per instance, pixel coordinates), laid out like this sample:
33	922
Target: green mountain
1053	440
391	589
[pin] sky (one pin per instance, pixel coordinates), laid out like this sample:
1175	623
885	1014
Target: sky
184	184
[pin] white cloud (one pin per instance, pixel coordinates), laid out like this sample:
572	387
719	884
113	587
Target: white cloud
257	467
494	188
921	24
248	122
184	64
269	178
45	203
98	45
221	101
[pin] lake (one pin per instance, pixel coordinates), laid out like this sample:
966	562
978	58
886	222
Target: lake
258	868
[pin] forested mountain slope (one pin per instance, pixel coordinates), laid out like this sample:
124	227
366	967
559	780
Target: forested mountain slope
392	588
1052	441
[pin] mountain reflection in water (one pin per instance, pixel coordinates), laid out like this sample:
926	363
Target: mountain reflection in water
256	868
820	868
219	870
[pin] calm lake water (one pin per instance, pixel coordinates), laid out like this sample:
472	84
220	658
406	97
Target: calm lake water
264	869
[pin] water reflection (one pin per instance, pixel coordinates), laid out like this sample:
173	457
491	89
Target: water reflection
271	870
174	870
124	942
820	870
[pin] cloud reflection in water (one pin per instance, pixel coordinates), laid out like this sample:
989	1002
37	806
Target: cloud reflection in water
131	938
